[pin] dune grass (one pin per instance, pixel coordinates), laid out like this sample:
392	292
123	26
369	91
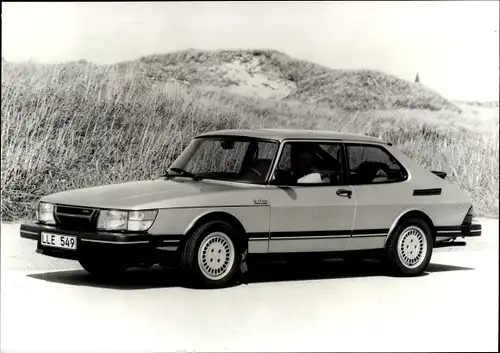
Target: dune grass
66	129
79	125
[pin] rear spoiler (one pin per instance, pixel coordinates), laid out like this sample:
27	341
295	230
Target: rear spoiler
440	174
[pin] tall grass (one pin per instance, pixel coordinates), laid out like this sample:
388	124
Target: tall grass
85	126
79	125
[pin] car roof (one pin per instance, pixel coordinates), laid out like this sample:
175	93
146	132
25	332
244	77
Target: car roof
282	134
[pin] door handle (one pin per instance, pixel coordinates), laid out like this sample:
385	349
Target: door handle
344	193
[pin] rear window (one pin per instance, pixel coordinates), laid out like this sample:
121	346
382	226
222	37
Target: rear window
370	164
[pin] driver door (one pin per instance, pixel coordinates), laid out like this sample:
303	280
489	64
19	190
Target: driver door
311	217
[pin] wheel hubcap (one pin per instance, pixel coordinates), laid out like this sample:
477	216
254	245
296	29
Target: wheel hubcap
216	255
412	247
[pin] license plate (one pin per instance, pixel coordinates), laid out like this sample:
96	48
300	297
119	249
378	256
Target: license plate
58	241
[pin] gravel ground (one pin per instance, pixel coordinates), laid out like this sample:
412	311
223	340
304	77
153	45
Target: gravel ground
53	305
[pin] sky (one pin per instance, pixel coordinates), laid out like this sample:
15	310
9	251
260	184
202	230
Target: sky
454	46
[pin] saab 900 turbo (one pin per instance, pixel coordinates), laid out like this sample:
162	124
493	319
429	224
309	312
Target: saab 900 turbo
235	194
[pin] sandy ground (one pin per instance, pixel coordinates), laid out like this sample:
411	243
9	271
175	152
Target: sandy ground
50	305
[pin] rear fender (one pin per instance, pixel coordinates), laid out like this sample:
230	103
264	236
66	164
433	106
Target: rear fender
407	213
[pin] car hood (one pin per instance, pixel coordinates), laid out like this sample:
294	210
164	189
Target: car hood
137	194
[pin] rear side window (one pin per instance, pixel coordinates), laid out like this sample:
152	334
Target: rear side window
370	164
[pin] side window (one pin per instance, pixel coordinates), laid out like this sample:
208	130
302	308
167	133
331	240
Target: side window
305	163
372	165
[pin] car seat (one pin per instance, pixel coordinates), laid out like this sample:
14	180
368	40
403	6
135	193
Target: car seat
368	171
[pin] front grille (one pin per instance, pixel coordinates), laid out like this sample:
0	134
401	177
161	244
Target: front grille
76	218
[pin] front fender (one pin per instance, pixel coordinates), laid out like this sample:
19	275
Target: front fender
179	221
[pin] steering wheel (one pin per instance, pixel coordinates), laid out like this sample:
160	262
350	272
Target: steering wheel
255	171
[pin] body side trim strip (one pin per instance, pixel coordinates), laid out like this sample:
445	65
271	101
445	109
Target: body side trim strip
382	231
320	234
311	237
115	242
169	248
309	234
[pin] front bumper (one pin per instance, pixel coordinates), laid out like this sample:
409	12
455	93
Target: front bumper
135	248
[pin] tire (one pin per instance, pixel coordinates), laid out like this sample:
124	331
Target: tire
103	269
212	256
409	250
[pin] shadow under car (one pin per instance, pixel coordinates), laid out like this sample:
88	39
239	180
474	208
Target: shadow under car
157	277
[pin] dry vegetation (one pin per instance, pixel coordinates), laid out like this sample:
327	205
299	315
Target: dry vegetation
345	89
79	124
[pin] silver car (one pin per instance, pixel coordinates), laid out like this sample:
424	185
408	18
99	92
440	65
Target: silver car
234	195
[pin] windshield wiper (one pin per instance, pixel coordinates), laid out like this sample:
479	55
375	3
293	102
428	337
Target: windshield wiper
183	172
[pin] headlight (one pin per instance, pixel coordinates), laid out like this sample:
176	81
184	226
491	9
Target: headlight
45	213
125	220
112	220
141	220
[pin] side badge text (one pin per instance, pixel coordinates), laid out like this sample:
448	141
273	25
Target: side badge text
260	202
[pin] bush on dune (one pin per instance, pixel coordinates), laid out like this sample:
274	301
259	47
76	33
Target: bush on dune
355	90
351	90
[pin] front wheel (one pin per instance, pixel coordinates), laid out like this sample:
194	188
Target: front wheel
211	255
410	248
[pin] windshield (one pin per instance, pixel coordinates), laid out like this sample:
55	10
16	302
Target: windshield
227	158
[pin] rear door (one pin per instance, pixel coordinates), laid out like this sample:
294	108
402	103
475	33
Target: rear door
311	217
378	181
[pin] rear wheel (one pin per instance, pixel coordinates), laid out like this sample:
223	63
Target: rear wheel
410	248
211	255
